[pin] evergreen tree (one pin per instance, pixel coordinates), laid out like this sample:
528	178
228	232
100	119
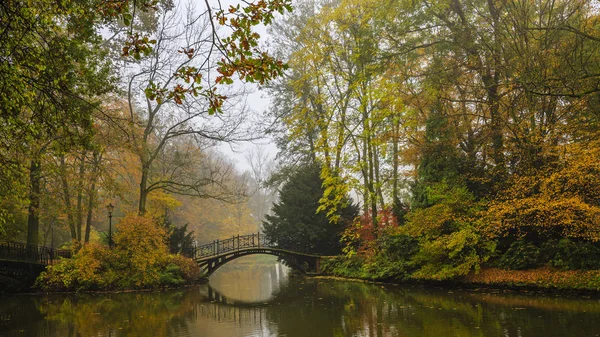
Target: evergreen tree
438	158
295	223
179	239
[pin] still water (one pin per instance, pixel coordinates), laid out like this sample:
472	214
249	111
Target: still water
257	298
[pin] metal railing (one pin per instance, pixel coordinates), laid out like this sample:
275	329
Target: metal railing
234	243
16	251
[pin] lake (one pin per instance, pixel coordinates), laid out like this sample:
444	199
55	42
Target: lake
256	296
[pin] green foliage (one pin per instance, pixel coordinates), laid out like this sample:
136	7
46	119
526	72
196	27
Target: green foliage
392	262
439	158
520	255
453	255
565	254
179	240
576	255
398	247
54	68
342	266
138	260
451	244
295	223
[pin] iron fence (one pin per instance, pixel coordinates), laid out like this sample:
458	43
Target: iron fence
237	242
17	251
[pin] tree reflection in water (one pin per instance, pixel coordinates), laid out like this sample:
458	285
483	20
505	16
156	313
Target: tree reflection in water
239	304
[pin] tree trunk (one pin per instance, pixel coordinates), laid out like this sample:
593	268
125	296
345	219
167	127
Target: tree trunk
371	186
33	216
80	197
143	190
90	208
395	160
378	179
67	198
97	159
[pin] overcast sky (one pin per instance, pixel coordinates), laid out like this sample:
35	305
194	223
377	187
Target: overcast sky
257	102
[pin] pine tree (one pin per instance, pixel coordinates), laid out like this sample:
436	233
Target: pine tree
295	223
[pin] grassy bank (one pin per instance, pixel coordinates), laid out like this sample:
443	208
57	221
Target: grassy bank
545	278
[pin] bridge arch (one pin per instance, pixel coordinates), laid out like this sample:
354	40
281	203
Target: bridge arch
212	256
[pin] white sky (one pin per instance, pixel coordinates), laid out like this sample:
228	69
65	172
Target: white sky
257	102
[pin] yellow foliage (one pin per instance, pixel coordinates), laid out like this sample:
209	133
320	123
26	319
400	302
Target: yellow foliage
143	242
139	259
563	201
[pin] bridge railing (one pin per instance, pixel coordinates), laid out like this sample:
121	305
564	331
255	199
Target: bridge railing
236	242
17	251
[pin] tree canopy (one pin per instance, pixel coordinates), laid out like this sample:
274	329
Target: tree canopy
295	223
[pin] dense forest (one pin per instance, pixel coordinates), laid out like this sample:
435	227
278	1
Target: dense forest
126	103
421	139
466	130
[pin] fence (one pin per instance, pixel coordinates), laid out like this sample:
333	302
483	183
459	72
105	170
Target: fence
234	243
36	254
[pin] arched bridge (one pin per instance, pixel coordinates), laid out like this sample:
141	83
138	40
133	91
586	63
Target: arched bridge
23	263
213	255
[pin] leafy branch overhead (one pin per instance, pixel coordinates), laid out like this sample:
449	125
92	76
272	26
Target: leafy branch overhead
240	51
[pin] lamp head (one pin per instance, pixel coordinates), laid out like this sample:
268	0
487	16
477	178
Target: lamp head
110	208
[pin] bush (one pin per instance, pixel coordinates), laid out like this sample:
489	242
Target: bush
342	266
520	255
452	256
394	261
573	255
187	269
564	254
139	259
399	247
391	263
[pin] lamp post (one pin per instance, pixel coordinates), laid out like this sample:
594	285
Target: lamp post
110	209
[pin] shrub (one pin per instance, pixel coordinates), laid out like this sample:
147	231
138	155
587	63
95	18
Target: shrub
139	259
449	234
142	246
453	255
187	269
520	255
576	255
394	261
342	266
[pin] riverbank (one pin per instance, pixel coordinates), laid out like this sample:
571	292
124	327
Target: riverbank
546	279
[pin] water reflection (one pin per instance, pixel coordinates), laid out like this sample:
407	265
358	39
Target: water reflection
265	301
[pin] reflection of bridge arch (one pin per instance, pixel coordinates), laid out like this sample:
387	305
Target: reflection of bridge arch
214	255
222	309
223	313
214	296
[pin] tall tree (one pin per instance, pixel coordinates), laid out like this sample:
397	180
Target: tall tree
295	223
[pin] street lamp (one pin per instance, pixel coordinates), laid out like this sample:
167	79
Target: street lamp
110	209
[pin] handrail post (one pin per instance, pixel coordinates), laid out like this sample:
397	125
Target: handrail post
238	242
258	239
217	244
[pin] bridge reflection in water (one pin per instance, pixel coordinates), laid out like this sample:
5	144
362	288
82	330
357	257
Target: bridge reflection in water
220	313
237	306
